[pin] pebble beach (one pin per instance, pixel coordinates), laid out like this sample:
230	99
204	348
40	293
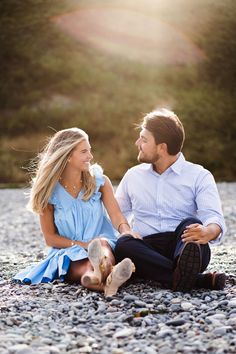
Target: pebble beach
142	318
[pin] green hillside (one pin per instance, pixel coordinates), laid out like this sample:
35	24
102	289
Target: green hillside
51	80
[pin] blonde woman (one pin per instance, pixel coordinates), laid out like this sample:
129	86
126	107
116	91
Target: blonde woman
70	194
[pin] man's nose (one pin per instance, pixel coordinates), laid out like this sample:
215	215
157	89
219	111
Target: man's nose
137	142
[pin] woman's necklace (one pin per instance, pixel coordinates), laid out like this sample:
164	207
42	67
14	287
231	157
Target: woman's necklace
72	188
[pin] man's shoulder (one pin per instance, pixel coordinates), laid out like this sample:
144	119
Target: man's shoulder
143	167
195	169
136	173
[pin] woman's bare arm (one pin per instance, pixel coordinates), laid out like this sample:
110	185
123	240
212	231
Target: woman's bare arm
49	231
117	218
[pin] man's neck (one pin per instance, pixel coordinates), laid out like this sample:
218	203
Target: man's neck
164	163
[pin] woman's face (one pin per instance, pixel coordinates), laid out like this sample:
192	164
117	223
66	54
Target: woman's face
81	156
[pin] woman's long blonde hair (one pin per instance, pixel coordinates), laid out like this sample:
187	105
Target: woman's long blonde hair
50	165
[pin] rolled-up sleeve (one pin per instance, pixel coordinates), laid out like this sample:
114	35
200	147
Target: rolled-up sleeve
208	202
122	197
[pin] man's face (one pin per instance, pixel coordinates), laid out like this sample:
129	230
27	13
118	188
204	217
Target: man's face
148	149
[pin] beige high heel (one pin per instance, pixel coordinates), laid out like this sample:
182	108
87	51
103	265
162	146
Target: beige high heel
121	272
97	258
88	280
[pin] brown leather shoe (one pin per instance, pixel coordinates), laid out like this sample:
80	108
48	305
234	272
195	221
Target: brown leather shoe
213	281
188	267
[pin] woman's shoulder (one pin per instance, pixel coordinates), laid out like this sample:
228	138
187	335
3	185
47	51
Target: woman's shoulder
55	197
97	172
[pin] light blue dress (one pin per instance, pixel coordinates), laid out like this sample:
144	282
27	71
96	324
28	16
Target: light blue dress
75	219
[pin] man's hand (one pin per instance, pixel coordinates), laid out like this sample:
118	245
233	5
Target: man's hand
200	233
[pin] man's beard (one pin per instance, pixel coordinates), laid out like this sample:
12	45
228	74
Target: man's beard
144	159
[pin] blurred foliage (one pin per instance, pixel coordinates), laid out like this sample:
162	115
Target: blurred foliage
208	108
50	80
220	45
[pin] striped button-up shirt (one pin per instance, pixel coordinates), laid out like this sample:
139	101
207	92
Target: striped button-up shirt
159	202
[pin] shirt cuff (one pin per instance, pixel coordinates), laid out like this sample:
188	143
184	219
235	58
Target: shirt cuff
214	220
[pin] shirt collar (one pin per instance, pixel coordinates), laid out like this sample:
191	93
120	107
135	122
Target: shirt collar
175	167
178	164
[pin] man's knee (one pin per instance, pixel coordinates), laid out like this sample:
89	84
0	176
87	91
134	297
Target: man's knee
122	247
184	223
122	241
189	221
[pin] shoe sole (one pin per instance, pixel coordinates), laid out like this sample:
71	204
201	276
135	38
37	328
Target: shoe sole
188	267
119	275
96	257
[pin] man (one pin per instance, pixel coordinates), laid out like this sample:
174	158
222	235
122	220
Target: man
175	207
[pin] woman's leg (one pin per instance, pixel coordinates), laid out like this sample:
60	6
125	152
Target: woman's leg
109	260
83	271
101	258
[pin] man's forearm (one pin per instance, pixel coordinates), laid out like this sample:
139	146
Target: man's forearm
213	231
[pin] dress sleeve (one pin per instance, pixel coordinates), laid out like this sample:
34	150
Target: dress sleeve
53	199
98	174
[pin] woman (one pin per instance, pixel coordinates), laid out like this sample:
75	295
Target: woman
69	194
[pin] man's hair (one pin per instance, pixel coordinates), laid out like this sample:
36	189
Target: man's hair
166	128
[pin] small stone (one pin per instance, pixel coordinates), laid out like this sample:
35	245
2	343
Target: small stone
187	306
232	321
221	331
117	351
125	332
40	256
21	349
176	300
175	323
85	349
139	303
232	303
164	333
150	350
130	298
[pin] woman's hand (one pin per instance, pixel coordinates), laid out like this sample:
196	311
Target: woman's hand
131	233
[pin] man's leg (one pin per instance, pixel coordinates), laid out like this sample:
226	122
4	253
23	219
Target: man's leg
149	263
214	281
189	258
205	249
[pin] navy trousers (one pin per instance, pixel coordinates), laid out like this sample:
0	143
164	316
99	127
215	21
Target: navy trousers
155	256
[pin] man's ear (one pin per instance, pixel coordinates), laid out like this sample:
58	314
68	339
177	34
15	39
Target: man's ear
163	147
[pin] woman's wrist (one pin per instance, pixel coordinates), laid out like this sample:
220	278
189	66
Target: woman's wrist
123	227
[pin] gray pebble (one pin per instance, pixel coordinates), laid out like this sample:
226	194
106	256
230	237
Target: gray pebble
175	323
221	331
141	318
